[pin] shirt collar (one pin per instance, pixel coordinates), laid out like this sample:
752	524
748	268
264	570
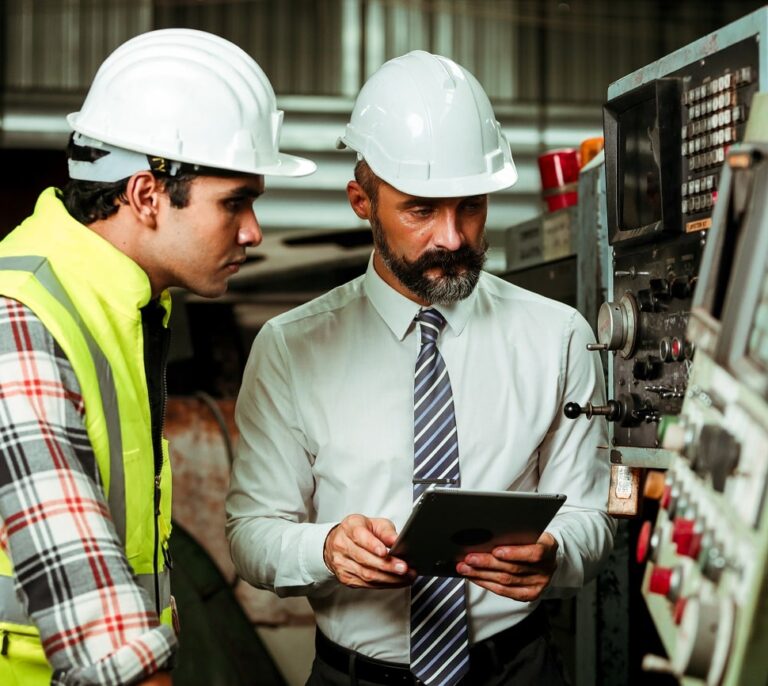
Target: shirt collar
398	312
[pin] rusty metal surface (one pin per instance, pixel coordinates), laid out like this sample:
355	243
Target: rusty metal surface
200	481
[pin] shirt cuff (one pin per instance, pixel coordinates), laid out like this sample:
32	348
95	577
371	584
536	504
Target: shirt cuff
138	659
311	562
561	572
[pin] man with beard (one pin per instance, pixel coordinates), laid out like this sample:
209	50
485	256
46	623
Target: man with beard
424	370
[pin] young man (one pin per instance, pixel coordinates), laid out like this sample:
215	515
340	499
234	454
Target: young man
424	370
168	154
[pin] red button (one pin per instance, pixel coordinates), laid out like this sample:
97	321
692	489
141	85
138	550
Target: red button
690	547
682	531
643	542
661	580
677	349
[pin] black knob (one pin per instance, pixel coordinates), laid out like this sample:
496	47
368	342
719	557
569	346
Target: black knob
632	409
646	369
680	287
719	454
645	300
659	288
572	410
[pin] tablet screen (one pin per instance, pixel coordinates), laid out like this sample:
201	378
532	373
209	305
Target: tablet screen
448	523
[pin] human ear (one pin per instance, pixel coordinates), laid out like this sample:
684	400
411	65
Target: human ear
142	195
359	200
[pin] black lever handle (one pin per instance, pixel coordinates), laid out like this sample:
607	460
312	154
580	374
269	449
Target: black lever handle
612	411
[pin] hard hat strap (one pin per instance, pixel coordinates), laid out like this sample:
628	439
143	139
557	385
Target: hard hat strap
93	160
163	165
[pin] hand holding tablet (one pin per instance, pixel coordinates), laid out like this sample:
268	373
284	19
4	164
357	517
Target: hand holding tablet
446	524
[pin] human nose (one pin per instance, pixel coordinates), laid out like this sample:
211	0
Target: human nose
249	233
447	234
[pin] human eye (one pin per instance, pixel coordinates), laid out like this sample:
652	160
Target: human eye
235	205
422	211
474	205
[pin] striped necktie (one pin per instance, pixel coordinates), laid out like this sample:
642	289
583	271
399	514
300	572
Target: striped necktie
439	642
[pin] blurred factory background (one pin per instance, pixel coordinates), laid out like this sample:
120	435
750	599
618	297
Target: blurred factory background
546	65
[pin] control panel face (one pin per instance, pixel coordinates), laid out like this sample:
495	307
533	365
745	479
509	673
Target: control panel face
723	444
657	244
689	392
706	580
717	92
653	356
706	551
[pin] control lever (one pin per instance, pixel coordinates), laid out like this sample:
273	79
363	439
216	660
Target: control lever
628	410
612	411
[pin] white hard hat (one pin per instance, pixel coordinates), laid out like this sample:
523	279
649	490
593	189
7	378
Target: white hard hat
425	126
186	96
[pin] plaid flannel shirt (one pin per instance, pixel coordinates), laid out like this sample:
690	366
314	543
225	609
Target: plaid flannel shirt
97	625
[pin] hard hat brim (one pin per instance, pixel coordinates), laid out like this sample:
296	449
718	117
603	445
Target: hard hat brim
287	165
481	184
282	164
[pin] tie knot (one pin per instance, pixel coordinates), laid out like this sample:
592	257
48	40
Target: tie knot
432	323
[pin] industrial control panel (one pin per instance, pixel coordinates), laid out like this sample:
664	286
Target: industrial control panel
668	129
706	554
685	329
669	139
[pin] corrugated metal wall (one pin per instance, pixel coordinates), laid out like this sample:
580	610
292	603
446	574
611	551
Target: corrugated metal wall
296	42
546	65
55	46
521	50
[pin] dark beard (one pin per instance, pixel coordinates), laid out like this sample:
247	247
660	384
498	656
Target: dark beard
460	269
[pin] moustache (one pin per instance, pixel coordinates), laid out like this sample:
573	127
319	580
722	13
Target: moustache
450	261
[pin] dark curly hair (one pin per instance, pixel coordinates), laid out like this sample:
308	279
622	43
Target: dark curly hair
89	201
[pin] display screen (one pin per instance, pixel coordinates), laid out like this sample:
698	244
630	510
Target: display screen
639	166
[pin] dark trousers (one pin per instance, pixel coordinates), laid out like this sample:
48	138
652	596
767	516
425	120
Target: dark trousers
521	656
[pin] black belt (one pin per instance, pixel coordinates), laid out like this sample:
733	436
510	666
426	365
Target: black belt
485	657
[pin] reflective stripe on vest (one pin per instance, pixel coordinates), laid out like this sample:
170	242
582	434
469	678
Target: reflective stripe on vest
13	611
40	267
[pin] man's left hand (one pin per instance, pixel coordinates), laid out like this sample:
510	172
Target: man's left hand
520	572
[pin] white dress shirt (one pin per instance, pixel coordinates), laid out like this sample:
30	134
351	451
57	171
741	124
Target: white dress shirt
325	414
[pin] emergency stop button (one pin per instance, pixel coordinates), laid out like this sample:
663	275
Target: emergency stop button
666	581
643	542
686	535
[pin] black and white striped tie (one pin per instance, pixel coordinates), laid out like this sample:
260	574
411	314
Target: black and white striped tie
439	641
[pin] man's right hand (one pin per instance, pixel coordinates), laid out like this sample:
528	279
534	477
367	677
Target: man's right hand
357	551
157	679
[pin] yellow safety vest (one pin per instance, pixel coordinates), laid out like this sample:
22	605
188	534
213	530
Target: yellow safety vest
88	295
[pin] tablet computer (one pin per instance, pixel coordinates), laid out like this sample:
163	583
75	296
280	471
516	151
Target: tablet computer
448	523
